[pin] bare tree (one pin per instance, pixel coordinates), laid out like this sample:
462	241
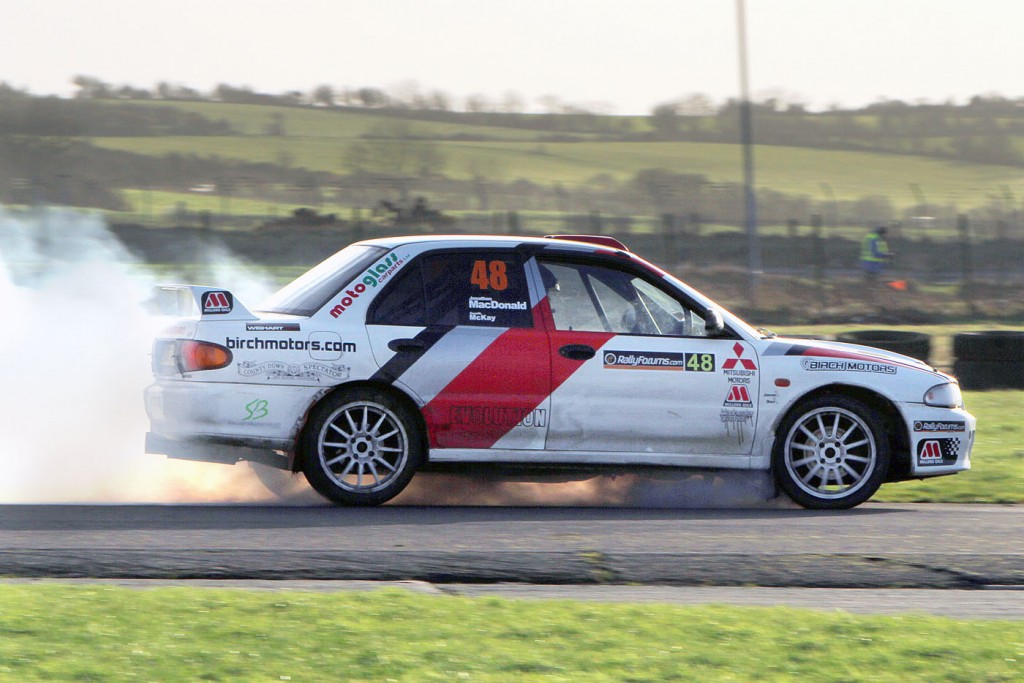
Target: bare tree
323	95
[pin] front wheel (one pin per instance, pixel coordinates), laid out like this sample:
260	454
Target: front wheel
361	447
831	453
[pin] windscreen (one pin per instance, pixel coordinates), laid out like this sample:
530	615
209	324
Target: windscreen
313	289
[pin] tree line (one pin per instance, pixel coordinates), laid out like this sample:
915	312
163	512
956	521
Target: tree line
986	129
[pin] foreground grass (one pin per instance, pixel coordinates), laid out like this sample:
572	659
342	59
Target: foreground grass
101	633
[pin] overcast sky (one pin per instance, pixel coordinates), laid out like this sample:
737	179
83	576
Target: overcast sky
629	56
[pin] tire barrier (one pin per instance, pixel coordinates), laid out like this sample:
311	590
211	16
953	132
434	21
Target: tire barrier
914	344
992	359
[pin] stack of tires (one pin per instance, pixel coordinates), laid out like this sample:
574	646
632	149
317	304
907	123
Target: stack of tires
991	359
914	344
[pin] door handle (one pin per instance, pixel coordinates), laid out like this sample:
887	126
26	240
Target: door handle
577	351
407	345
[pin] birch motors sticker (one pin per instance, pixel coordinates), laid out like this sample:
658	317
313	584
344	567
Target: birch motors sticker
217	302
845	365
938	452
659	360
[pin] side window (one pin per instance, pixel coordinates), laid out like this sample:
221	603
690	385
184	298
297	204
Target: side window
596	298
458	288
402	302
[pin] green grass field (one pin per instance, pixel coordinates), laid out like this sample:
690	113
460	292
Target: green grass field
318	139
790	170
103	633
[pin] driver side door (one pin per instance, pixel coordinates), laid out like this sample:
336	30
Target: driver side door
644	374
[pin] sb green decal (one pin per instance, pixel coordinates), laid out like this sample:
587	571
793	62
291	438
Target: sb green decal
257	409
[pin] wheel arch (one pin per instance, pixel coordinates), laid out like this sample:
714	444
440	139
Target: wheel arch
896	426
295	463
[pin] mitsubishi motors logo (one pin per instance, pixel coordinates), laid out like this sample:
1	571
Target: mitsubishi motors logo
217	302
745	362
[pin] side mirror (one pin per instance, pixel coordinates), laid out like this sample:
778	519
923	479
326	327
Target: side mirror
713	323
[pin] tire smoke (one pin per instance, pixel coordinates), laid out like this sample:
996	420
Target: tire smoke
74	353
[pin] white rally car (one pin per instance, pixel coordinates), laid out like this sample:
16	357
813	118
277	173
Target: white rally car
563	353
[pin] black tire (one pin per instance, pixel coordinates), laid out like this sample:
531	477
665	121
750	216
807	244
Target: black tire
361	447
989	374
831	453
989	345
914	344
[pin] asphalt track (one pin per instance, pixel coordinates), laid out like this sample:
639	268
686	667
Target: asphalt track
876	546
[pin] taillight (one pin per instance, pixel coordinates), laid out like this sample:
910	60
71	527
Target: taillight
200	355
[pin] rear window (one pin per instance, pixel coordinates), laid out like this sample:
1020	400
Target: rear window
311	291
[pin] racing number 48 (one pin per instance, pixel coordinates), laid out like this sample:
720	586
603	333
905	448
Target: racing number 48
700	362
489	275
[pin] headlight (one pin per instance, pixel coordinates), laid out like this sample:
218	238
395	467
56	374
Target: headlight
944	395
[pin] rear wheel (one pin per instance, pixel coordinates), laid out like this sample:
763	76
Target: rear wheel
831	453
361	447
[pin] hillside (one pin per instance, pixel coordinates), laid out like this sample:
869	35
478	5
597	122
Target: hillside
146	158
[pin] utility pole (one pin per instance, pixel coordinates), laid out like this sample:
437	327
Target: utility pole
753	241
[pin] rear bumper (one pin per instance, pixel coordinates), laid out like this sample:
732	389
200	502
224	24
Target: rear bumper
224	422
212	448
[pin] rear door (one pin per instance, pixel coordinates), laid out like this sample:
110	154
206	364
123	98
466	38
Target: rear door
457	330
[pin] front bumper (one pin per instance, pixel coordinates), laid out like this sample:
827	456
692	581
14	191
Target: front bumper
941	440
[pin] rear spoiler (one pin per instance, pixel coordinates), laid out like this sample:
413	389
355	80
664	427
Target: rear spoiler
199	301
603	240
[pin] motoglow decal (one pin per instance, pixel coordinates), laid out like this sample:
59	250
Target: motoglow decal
372	278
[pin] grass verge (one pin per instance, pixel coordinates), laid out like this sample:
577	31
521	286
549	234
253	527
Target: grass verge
90	633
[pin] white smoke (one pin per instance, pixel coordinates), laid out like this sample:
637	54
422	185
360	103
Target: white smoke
74	353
